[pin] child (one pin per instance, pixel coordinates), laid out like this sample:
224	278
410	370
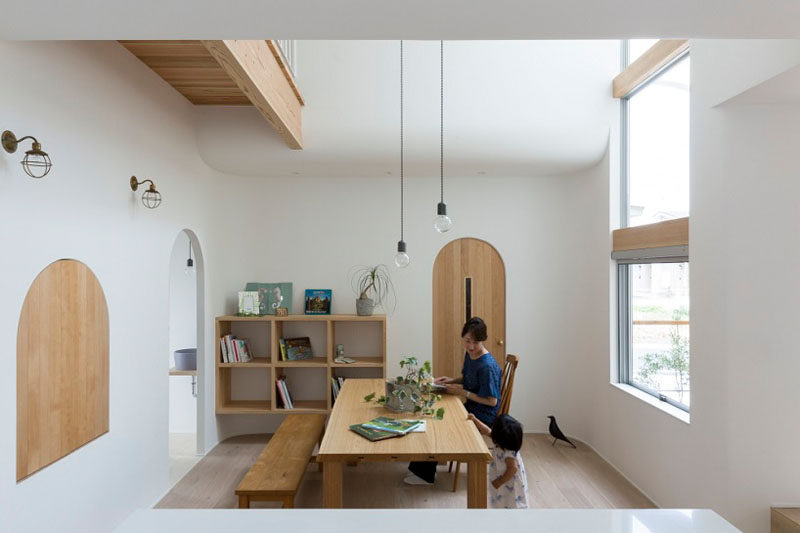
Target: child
507	472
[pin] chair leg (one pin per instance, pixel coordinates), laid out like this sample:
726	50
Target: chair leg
455	476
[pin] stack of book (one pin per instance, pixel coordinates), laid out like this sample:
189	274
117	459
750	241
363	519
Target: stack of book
296	349
233	350
385	428
336	385
283	396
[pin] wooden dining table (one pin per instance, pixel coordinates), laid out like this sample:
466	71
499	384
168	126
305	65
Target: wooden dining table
454	438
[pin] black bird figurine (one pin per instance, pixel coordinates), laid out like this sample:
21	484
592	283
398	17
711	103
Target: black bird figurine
556	432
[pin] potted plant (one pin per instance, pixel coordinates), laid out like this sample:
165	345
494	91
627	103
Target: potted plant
414	392
373	286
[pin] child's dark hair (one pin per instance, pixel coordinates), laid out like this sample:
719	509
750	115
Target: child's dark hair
507	433
476	327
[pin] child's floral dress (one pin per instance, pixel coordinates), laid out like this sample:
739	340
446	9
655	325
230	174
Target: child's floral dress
514	493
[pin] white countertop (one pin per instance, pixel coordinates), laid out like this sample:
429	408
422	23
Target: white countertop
400	520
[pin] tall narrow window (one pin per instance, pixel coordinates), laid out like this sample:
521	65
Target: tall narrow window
658	147
653	258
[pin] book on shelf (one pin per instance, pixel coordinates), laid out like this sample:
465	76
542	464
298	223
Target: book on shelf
283	393
297	348
223	351
283	349
384	423
233	350
334	388
373	434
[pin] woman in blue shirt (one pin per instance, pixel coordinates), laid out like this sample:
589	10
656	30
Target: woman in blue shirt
480	386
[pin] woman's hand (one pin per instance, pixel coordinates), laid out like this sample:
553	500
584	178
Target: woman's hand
457	390
443	380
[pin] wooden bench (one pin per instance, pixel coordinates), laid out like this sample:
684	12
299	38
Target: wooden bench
279	470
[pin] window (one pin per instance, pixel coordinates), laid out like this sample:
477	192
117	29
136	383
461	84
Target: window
658	147
655	323
653	265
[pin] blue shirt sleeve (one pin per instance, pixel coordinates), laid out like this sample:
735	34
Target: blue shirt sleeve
488	383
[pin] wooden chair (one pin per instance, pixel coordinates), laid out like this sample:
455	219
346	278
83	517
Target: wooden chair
506	388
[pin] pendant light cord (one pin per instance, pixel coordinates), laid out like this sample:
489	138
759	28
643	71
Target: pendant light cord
441	119
401	141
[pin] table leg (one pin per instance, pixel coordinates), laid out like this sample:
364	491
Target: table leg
476	485
332	485
244	501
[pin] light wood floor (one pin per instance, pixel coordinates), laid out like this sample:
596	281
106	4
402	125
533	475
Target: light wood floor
559	477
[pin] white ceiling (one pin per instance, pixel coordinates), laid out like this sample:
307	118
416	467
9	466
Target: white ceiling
512	108
393	19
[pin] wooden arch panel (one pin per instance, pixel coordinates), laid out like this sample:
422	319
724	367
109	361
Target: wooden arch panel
469	278
62	366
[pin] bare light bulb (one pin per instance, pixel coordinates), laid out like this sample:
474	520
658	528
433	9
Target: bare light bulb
401	259
442	223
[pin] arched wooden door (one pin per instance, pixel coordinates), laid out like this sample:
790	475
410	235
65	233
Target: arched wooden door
469	279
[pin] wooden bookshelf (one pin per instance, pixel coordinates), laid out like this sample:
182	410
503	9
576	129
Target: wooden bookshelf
249	388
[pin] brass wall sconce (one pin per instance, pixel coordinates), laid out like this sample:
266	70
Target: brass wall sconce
36	162
151	198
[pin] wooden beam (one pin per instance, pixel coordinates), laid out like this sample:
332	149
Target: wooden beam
652	61
254	69
666	233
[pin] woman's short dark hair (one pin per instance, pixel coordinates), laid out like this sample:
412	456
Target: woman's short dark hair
476	327
507	433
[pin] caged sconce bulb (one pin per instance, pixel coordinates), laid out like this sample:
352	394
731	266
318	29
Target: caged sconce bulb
151	198
36	162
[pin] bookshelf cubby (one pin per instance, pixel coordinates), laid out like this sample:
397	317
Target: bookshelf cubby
249	388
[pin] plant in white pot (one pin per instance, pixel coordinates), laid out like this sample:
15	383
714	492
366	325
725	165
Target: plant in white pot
374	287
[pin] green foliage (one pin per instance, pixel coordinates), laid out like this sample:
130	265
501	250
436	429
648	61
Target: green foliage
419	381
676	359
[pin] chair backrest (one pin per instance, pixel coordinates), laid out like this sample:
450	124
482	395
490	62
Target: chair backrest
507	383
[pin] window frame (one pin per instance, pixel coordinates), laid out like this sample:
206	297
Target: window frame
624	184
625	329
656	252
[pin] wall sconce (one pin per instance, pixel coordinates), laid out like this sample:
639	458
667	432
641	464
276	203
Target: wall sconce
36	162
151	198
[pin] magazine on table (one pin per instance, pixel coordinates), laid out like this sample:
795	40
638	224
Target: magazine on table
373	434
384	423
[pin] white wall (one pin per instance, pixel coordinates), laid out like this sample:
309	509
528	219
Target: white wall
542	228
103	116
738	455
182	334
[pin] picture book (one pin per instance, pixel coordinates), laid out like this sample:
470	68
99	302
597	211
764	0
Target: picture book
373	434
298	348
384	423
318	301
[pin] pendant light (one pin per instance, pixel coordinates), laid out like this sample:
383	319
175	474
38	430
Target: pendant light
442	222
401	259
189	270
